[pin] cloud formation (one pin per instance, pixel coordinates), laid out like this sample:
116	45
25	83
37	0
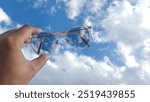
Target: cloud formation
125	23
5	20
129	30
76	8
69	68
39	3
4	17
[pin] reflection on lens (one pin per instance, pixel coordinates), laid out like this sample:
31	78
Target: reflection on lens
43	44
78	36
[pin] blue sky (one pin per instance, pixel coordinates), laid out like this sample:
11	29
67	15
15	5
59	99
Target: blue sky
119	52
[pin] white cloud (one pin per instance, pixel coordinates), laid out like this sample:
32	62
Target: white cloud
39	3
69	68
125	29
144	2
128	26
90	11
87	21
95	6
74	8
6	22
126	52
127	23
96	36
73	69
4	18
2	30
53	10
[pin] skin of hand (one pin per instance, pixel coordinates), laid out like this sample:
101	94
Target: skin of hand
14	68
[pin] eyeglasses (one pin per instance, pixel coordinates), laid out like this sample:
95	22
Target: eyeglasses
77	37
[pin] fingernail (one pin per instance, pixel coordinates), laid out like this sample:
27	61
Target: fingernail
47	56
39	30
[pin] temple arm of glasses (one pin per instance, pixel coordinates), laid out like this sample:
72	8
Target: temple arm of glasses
58	33
40	46
85	41
50	34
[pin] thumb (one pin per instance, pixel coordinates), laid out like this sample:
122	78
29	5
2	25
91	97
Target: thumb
39	62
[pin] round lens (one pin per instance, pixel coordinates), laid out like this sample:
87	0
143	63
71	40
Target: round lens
42	43
78	36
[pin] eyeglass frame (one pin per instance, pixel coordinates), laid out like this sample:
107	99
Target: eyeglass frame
59	34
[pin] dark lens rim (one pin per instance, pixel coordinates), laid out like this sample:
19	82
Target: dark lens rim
82	28
39	36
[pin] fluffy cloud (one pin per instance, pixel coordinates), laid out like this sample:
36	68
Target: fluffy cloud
130	30
69	68
127	23
75	8
6	23
4	18
2	29
39	3
128	26
90	11
144	2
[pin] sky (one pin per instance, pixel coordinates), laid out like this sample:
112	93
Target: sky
120	39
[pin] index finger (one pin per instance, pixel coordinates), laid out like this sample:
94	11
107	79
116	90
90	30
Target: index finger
25	32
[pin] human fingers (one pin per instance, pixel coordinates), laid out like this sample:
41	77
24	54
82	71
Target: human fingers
38	63
25	32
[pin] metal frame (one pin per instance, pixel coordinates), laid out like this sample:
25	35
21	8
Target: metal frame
59	34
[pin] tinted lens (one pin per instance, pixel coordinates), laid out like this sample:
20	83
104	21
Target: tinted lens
43	44
78	36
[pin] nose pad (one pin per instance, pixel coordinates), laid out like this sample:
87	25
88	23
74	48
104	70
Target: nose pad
67	40
57	42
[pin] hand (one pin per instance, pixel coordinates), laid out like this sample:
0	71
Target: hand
14	68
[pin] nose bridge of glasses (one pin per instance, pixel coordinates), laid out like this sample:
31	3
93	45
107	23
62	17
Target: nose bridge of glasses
89	27
45	34
72	31
60	33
